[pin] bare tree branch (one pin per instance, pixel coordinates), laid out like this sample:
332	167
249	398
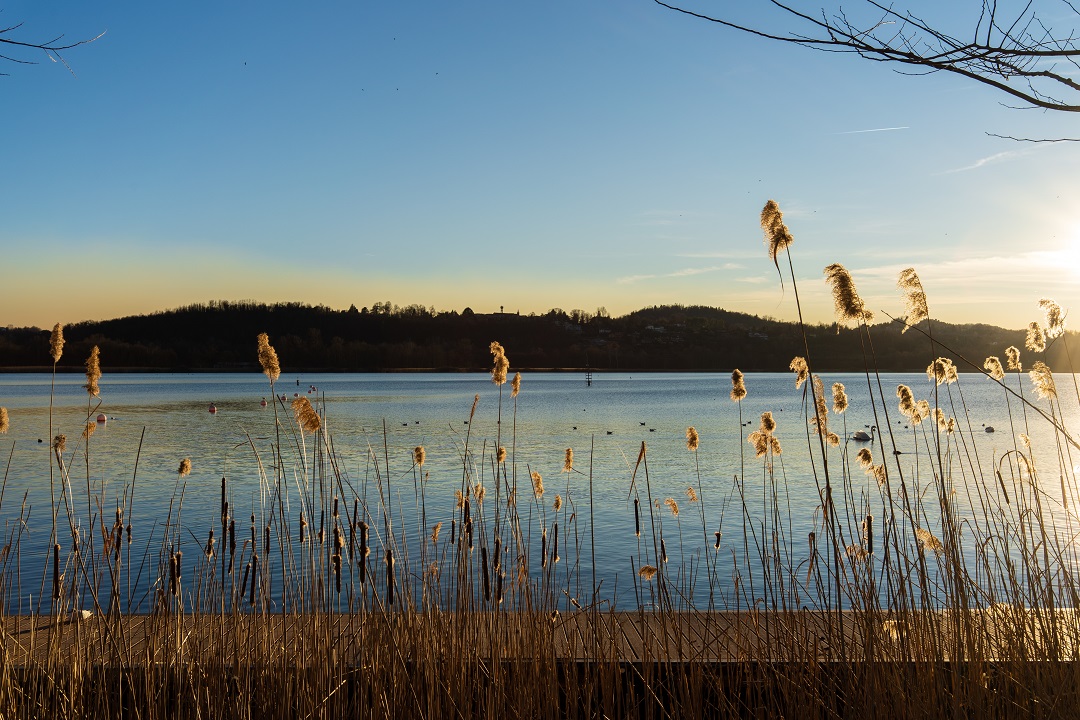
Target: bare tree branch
51	48
1017	55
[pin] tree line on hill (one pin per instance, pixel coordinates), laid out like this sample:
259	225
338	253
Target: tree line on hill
220	335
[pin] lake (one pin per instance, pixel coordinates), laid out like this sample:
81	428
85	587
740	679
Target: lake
375	421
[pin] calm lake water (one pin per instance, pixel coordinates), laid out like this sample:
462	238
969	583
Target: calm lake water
156	420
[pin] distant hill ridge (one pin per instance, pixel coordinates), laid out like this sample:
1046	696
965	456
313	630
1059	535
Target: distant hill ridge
220	335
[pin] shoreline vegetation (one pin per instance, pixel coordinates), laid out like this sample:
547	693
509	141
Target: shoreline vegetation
935	583
389	338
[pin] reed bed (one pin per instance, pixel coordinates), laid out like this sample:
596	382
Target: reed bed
930	586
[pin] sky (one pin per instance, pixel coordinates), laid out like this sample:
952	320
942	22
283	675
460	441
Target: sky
525	156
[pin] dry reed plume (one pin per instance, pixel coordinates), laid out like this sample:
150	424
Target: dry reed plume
56	342
914	298
268	358
850	309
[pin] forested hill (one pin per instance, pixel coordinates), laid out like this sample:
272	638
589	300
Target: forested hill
221	336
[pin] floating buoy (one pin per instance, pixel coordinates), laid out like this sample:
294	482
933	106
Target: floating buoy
101	418
263	403
213	409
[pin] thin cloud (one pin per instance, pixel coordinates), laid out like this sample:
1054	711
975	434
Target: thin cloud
988	160
630	279
873	130
685	272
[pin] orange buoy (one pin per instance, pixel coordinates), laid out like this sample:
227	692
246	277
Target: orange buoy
263	403
101	418
213	408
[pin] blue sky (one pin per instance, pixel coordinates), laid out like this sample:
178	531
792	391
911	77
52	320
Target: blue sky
485	154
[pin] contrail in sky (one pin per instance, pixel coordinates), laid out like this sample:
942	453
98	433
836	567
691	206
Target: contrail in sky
855	132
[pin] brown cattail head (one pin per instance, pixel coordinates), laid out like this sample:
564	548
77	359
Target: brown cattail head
673	506
839	398
306	417
914	298
501	364
1036	340
5	424
500	456
942	371
777	235
738	385
56	342
459	500
515	385
1055	320
268	358
993	367
691	494
435	532
185	467
93	372
1043	380
475	402
538	484
691	438
1012	356
557	505
568	460
801	369
419	455
647	572
850	309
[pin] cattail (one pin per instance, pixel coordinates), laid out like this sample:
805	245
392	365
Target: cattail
993	367
850	309
538	484
484	571
93	372
691	438
777	235
5	423
568	460
927	541
254	577
557	505
868	533
1043	380
637	517
268	358
673	506
543	548
475	402
56	572
306	417
691	494
647	572
232	537
515	385
453	531
210	545
1055	320
500	455
419	455
942	371
173	576
663	550
738	386
459	500
185	467
303	528
501	364
1036	340
498	553
336	560
1012	356
56	342
801	369
716	545
839	398
555	542
469	532
266	541
914	298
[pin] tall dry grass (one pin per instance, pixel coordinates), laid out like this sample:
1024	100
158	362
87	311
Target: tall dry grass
928	586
